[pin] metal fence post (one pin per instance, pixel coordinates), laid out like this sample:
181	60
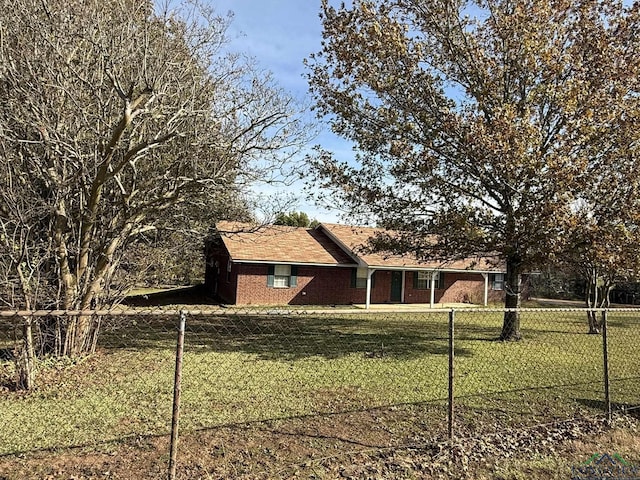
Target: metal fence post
173	448
605	358
451	372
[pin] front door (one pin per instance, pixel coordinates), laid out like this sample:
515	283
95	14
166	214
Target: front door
396	286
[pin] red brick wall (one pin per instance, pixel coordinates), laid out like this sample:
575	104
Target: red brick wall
464	288
316	286
381	292
457	288
332	286
412	295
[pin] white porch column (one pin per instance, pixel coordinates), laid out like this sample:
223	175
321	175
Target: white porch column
403	286
486	288
434	275
368	299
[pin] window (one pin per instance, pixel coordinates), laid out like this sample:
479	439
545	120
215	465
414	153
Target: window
229	264
422	280
359	278
282	276
497	281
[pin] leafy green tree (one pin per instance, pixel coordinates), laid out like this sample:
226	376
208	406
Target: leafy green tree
475	120
295	219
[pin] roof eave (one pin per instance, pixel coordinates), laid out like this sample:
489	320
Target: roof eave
288	262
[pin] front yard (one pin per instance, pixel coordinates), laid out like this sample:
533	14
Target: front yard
383	378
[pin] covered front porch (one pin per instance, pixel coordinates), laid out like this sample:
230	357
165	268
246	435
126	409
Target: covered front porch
432	288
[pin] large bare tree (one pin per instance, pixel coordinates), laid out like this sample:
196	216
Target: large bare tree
475	120
115	117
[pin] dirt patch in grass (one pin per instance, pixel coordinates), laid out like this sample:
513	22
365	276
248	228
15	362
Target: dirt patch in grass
352	446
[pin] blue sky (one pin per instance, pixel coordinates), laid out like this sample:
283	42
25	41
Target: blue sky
280	34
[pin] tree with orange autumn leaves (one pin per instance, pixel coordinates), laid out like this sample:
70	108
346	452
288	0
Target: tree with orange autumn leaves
479	121
604	231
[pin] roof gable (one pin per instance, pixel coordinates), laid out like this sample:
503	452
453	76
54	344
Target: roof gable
280	244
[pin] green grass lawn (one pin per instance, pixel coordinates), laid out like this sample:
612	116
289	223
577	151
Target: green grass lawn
242	368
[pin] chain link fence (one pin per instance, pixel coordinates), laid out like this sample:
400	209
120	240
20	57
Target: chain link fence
388	378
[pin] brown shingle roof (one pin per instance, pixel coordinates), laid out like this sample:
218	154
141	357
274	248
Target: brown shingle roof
353	238
329	244
274	243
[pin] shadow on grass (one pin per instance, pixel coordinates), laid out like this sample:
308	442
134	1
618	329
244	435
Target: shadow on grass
491	333
626	323
194	295
291	336
286	337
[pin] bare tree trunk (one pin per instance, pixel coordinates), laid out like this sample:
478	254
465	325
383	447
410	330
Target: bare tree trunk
594	324
94	334
603	301
83	337
82	331
27	358
591	301
78	336
513	288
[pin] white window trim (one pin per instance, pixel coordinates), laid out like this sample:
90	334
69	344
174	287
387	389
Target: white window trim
282	276
426	277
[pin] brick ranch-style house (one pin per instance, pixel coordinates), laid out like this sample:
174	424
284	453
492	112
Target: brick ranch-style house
279	265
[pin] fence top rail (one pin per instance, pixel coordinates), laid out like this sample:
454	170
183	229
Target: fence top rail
118	311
